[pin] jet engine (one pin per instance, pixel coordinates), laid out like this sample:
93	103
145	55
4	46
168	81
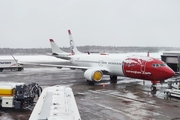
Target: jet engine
93	75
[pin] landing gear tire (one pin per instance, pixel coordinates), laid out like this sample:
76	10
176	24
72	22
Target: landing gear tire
168	94
19	69
90	82
113	79
153	88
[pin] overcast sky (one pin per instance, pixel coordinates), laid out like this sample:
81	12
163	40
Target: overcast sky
30	24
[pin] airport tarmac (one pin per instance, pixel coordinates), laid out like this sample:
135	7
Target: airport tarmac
129	99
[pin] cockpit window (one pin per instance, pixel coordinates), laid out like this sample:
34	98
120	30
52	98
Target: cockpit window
162	64
159	65
155	65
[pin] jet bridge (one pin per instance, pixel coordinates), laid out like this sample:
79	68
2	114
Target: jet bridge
172	59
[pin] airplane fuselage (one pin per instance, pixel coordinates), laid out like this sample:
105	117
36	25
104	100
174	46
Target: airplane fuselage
97	65
140	67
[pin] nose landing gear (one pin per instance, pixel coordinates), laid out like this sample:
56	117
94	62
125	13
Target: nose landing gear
153	89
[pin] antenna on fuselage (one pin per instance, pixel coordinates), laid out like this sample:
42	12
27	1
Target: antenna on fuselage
148	54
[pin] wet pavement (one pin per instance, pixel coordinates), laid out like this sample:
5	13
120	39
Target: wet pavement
129	99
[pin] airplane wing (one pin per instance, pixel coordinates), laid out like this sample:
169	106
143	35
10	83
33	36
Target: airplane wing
104	70
61	66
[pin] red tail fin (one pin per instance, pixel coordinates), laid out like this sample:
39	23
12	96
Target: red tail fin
51	40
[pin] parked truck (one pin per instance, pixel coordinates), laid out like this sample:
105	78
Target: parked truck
10	64
18	95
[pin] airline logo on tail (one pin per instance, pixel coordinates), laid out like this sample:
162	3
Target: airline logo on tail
72	47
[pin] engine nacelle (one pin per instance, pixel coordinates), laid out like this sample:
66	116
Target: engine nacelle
93	75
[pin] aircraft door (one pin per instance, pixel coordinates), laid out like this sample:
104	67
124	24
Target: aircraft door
143	69
143	66
100	63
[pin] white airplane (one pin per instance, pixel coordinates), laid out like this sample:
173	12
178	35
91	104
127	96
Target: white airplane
138	67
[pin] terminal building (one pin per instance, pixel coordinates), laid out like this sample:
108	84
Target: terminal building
172	59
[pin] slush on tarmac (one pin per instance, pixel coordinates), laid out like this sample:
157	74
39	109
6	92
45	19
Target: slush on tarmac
129	99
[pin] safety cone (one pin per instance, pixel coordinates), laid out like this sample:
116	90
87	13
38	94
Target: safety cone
104	85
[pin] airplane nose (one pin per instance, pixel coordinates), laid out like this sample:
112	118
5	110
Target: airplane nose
169	73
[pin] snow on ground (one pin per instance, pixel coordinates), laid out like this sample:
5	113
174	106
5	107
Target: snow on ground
33	58
154	55
45	58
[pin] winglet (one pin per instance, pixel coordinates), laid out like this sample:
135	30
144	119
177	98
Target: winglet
14	59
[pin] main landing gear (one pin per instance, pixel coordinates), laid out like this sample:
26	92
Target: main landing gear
90	82
153	87
113	79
